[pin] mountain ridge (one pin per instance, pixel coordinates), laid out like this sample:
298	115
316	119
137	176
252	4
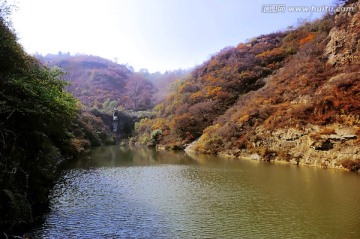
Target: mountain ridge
97	81
290	96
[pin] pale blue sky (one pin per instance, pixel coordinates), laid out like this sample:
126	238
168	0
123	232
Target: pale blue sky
155	34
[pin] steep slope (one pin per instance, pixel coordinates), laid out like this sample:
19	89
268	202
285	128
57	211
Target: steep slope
35	113
40	127
213	87
308	112
291	96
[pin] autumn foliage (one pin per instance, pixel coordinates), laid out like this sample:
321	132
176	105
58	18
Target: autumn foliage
102	84
213	87
274	81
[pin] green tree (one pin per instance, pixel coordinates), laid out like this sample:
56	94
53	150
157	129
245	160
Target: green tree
36	114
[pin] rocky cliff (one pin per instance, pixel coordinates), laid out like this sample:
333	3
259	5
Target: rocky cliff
307	113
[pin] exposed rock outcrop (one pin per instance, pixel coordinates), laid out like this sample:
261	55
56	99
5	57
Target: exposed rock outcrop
308	147
315	126
344	38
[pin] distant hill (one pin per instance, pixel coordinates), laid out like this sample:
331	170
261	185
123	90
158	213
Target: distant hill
93	79
102	84
167	82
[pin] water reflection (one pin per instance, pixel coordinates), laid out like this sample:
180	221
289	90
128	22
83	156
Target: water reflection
118	156
119	192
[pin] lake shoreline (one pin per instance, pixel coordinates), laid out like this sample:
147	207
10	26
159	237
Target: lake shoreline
275	160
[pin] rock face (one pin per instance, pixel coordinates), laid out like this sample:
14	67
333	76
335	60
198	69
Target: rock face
344	42
329	145
311	146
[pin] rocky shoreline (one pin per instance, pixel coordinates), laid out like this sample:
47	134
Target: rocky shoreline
333	147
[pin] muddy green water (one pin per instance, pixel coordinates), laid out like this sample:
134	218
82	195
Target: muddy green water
137	193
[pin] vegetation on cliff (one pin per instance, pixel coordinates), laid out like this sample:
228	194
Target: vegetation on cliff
40	126
246	98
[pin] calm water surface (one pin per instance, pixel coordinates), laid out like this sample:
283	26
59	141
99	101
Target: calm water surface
124	193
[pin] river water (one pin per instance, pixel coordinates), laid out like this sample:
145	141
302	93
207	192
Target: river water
138	193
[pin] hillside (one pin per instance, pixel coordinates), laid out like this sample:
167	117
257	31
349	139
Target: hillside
93	79
35	114
40	128
102	84
288	96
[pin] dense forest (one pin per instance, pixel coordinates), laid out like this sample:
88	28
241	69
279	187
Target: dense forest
291	96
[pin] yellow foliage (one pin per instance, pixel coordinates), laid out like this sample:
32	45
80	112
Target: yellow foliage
243	119
212	128
210	79
213	64
196	97
308	38
143	125
159	108
213	91
242	46
272	53
183	86
160	123
209	142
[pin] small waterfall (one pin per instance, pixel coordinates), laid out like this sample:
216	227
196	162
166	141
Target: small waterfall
115	125
115	121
